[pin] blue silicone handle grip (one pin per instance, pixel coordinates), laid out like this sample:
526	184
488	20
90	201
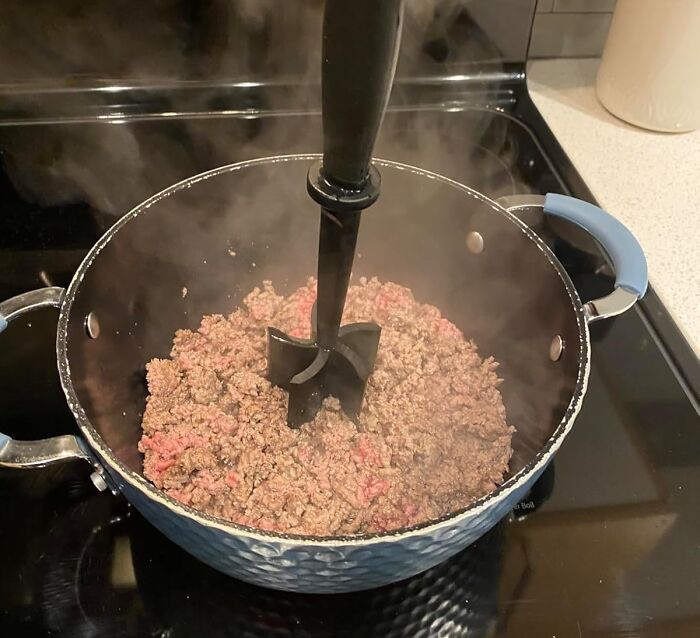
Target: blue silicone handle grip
619	243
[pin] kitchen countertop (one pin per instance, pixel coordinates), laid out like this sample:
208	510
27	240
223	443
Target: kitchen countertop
649	181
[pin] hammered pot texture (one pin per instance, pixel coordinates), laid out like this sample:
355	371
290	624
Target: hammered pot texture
317	568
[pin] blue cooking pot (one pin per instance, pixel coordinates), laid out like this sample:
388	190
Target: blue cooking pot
488	273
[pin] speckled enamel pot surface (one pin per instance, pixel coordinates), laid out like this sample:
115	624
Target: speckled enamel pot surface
220	234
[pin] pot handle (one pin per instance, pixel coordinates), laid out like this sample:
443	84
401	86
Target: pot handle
56	449
627	256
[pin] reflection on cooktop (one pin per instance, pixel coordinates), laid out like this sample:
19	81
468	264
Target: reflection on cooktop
110	575
591	476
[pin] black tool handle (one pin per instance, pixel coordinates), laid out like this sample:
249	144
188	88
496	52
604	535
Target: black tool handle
336	251
360	49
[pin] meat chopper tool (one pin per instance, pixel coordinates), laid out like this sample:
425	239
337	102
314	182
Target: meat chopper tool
360	49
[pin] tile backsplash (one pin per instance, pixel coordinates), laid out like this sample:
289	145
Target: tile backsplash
570	28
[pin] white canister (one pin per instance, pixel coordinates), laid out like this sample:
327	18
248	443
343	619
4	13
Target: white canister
650	70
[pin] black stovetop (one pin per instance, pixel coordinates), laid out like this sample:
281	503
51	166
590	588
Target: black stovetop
607	544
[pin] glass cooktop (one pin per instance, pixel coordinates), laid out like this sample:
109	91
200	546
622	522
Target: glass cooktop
606	544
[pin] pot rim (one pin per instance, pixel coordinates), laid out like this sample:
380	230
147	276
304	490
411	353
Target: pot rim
150	491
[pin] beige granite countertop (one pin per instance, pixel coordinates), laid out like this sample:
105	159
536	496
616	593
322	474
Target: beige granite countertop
649	181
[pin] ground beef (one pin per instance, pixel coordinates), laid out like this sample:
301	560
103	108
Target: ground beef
432	436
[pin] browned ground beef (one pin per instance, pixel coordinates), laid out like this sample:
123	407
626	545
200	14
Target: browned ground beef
432	436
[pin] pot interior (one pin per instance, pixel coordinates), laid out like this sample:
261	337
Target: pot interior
221	235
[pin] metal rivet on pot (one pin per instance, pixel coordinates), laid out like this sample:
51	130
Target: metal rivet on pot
556	348
475	242
98	481
92	325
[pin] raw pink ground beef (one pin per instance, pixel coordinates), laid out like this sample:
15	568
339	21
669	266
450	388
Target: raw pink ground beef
432	436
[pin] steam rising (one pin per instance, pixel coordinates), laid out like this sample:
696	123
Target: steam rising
52	56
